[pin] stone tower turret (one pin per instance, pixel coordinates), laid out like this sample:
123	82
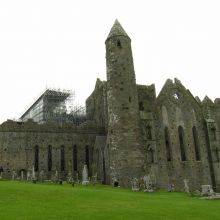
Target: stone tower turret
125	148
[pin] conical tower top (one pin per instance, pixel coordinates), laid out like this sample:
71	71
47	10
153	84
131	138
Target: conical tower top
117	30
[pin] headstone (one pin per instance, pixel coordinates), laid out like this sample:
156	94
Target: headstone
171	187
14	175
22	175
135	184
77	177
69	178
186	186
56	177
115	182
207	190
28	176
33	174
85	178
147	184
94	178
41	175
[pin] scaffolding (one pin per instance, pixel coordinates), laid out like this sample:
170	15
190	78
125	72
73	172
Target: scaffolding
55	105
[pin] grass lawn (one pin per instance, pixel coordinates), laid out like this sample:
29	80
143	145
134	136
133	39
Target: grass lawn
20	200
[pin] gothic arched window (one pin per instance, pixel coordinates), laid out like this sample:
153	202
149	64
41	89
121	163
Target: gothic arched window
167	143
87	156
36	158
62	158
196	143
75	162
182	143
49	158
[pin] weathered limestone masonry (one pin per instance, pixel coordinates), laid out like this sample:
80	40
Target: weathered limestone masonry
125	146
47	147
179	140
129	133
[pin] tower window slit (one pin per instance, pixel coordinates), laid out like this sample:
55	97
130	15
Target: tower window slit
119	44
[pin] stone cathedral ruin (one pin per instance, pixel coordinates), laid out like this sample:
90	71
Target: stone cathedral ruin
128	132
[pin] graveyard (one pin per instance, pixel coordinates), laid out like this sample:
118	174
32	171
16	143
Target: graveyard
21	200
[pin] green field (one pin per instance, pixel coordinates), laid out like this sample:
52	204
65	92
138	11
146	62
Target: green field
49	201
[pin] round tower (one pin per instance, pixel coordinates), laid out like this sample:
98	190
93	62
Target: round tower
125	148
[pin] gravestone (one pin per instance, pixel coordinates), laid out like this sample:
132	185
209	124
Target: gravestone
135	184
85	178
33	174
207	190
171	187
94	178
69	178
28	175
147	184
22	175
14	175
115	182
56	177
186	185
41	176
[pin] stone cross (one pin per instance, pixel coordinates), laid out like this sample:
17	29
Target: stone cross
14	175
135	184
147	183
85	178
28	175
186	186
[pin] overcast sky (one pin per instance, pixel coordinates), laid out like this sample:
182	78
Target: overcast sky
60	44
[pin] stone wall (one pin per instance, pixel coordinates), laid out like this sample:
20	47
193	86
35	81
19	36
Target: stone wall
180	114
18	142
125	145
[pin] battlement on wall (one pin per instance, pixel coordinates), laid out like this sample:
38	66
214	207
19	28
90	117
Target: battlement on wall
88	127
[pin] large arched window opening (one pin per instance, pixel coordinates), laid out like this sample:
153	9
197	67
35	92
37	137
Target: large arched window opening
62	158
49	158
167	143
196	143
182	143
36	158
75	162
